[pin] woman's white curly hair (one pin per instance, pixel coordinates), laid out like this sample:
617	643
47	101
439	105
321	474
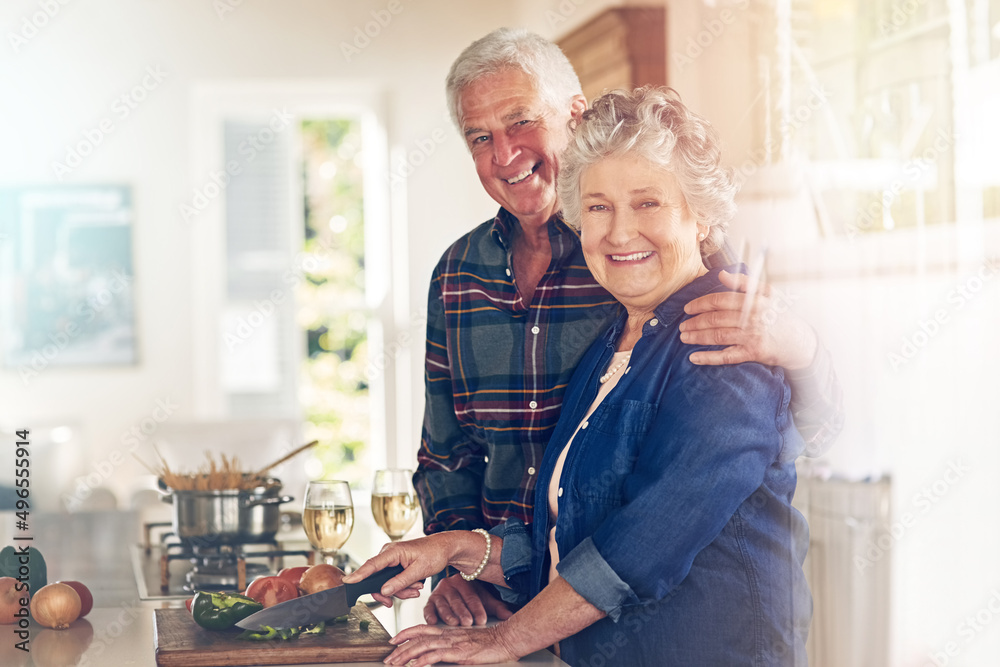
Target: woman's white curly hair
653	123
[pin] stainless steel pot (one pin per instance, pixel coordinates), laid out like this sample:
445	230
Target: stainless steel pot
228	517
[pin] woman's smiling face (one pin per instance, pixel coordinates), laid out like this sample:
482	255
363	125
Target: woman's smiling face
639	236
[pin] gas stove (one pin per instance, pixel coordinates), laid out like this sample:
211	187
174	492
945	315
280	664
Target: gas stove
168	567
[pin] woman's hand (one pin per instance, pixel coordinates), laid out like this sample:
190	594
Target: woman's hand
420	559
429	644
771	335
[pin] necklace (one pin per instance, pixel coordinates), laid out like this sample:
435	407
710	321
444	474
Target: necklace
617	367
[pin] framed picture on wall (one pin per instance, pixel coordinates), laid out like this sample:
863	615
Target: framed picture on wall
66	277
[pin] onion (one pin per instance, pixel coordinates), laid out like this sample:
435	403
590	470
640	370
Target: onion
55	606
10	600
320	578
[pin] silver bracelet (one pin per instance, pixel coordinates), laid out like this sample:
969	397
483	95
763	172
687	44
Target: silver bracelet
486	558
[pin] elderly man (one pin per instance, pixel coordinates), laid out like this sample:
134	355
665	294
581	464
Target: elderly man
512	308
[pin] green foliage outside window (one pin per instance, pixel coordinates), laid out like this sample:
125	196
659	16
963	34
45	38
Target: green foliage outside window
331	300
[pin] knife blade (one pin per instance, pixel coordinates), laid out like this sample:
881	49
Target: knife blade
321	606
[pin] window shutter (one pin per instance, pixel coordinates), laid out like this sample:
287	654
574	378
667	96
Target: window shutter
259	351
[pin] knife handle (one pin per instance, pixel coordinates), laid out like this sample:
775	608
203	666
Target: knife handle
372	584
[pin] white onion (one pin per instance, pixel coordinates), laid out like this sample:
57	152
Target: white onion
55	606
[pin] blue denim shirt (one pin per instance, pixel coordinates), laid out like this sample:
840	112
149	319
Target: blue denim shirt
675	512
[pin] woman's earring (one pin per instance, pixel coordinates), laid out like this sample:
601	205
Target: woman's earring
701	237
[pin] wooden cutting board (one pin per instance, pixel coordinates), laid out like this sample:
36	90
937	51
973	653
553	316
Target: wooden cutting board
180	642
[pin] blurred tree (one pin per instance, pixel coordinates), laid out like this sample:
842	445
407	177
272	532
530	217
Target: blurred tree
331	300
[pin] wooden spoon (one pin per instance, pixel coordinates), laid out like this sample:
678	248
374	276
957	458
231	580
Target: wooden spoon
304	447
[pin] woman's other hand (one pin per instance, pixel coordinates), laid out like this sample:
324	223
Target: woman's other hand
430	644
455	601
772	334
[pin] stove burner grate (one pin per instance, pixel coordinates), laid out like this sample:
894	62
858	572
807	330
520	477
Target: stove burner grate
218	566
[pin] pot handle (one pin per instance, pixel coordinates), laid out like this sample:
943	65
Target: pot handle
166	495
253	502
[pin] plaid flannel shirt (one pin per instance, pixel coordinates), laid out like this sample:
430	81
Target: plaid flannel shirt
496	370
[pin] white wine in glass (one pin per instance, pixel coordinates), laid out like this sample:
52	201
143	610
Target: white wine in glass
394	504
328	516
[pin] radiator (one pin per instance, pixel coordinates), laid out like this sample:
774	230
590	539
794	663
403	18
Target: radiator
848	570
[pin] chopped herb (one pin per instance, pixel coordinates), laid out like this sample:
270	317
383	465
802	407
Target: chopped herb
266	633
318	629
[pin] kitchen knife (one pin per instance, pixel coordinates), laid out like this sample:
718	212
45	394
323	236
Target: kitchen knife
322	606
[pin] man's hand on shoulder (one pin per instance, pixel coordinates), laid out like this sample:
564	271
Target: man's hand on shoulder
772	334
455	601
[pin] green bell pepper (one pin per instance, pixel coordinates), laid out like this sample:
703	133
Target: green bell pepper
221	611
24	564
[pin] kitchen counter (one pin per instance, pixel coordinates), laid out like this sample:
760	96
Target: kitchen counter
123	637
93	548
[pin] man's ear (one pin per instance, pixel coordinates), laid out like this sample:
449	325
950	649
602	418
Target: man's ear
577	106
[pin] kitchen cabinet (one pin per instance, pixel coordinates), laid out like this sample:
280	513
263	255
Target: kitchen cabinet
619	48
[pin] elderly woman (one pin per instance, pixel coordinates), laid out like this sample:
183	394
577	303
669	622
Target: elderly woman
663	532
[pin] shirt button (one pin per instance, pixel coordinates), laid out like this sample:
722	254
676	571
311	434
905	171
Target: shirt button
508	272
533	405
531	471
584	425
653	322
560	492
535	330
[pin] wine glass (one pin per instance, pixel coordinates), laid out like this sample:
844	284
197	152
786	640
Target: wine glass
394	504
328	516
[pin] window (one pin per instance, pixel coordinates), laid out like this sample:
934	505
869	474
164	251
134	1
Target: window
331	306
871	106
291	281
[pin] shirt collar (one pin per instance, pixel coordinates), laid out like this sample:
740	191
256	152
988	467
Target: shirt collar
505	223
503	228
671	312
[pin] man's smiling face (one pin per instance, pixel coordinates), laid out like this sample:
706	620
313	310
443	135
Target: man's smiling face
516	139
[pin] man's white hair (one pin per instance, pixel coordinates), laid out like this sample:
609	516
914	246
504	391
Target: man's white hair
514	49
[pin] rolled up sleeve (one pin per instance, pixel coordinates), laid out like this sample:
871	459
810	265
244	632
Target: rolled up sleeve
515	560
590	575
